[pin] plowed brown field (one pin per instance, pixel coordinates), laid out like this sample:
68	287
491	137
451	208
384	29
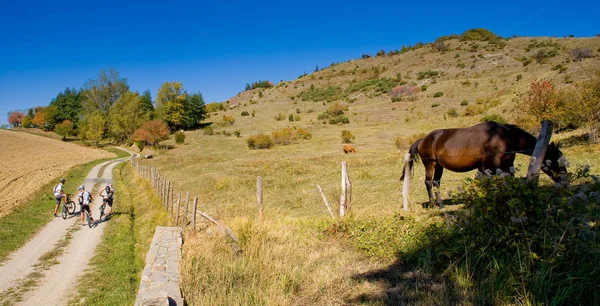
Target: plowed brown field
29	161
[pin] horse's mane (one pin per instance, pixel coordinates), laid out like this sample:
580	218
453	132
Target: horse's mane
517	129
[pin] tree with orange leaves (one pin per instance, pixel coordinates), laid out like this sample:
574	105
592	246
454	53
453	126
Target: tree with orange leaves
15	118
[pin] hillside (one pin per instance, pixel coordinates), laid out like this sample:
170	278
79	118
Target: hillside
28	161
489	77
379	254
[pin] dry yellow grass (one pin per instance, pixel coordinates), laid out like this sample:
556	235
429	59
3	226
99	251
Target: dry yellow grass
28	161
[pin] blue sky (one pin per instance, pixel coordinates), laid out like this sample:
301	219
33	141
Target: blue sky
216	47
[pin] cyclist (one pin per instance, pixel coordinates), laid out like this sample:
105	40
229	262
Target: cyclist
107	198
59	194
85	199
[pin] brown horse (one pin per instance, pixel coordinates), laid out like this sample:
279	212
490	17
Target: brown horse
485	146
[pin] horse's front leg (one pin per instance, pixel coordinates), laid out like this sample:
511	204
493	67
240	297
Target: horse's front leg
437	181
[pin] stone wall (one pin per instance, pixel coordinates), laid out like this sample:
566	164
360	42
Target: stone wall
160	280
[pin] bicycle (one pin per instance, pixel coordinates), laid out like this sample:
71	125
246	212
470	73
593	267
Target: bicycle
88	217
101	208
68	207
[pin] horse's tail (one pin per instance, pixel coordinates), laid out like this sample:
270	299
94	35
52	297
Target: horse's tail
414	156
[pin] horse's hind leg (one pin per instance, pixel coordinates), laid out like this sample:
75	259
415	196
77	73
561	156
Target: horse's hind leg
429	168
437	181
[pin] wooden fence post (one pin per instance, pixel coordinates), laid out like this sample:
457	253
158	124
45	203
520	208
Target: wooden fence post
405	186
346	196
259	196
535	164
178	205
167	192
171	199
185	213
194	213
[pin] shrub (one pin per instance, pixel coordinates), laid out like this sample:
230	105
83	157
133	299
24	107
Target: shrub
297	118
139	145
380	53
253	113
427	74
438	94
291	118
560	68
535	237
179	137
303	134
404	90
519	77
228	120
208	131
280	117
464	103
245	113
424	87
347	137
452	112
461	65
473	110
260	141
435	105
494	117
478	35
64	129
579	54
237	133
259	84
341	119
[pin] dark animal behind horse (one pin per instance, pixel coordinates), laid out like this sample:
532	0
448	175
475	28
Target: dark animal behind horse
485	146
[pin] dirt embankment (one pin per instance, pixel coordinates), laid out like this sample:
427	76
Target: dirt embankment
29	161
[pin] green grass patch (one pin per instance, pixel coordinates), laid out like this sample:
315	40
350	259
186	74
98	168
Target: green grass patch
114	276
21	224
120	153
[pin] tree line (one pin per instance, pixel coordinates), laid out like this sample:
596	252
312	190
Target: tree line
105	109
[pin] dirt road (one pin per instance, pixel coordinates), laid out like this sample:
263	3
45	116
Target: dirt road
56	284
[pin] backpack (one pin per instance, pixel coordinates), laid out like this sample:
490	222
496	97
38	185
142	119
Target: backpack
54	189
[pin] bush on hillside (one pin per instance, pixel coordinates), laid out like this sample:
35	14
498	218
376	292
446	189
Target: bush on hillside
228	120
260	141
208	131
179	137
494	117
64	129
438	94
245	113
347	137
427	74
478	35
280	117
579	54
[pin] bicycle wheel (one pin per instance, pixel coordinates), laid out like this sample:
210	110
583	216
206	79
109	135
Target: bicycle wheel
101	211
89	220
64	211
71	207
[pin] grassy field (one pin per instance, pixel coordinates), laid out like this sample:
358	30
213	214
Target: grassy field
298	255
114	273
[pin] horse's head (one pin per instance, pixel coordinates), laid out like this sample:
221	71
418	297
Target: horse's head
555	164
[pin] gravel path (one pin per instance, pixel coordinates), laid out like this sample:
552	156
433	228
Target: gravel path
60	281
